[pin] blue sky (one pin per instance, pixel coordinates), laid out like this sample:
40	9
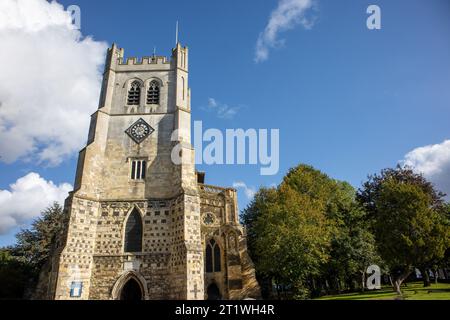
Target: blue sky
347	100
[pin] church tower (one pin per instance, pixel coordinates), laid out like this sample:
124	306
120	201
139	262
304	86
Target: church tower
141	225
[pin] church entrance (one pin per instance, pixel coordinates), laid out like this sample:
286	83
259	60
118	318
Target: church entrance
131	291
213	292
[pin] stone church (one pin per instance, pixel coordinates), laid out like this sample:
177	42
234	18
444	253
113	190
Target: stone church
139	225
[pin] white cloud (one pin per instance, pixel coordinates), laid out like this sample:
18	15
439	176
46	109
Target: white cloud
222	110
287	15
27	197
434	162
49	82
249	191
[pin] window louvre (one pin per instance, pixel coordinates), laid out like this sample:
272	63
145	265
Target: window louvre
153	93
138	168
134	94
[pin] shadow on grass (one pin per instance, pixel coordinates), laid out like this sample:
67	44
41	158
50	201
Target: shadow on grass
412	291
386	294
431	290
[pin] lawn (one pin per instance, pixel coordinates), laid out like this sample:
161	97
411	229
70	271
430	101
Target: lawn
412	291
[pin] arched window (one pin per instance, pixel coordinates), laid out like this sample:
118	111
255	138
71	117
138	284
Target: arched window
183	87
153	93
133	233
134	94
212	257
216	258
209	258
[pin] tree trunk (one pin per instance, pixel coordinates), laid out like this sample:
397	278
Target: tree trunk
399	280
363	281
313	281
338	287
397	284
436	276
425	277
278	290
327	286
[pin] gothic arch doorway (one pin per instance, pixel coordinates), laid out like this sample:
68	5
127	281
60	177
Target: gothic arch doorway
131	285
213	292
131	291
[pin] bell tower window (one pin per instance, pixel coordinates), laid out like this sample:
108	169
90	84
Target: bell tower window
134	94
153	93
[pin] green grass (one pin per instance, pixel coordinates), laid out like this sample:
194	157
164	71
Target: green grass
412	291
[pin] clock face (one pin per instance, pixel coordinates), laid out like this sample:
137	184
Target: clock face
139	131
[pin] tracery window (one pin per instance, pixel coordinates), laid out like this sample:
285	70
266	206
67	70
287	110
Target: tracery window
153	93
134	94
213	257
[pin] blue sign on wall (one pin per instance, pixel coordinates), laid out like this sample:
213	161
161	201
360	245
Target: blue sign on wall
75	289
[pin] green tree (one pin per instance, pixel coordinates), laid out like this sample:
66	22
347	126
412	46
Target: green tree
263	199
293	240
370	191
353	246
34	245
15	276
307	233
353	250
20	264
408	220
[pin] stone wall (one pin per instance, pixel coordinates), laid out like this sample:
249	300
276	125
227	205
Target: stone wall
75	260
236	280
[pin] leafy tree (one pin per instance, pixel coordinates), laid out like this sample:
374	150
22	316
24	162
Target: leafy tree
307	232
370	191
34	245
353	250
14	276
20	264
293	239
257	207
408	220
353	246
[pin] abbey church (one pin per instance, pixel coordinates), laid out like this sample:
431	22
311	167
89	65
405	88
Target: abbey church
141	226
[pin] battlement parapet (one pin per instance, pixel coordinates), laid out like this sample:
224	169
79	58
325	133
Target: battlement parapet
116	60
210	189
132	61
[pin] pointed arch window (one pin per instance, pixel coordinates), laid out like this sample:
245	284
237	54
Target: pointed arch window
183	87
213	257
133	233
134	94
153	93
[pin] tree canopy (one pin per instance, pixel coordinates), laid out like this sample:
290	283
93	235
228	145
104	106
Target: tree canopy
409	220
300	234
20	264
315	235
